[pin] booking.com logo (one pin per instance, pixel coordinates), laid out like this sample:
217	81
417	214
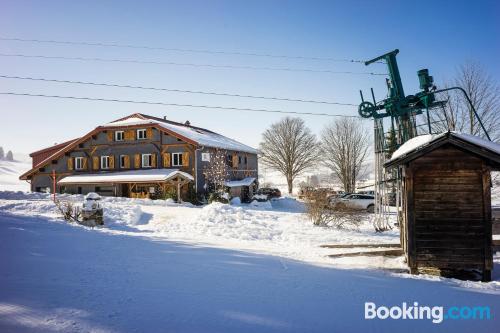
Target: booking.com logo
435	313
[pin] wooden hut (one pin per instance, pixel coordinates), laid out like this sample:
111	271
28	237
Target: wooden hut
447	202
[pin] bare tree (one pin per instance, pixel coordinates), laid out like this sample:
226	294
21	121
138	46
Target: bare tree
345	148
457	115
290	148
217	173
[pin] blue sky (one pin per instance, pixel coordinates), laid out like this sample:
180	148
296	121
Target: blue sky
439	35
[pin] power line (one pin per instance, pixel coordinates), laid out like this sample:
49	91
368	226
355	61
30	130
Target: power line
176	104
135	61
175	90
158	48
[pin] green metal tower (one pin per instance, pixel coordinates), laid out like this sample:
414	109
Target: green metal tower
402	110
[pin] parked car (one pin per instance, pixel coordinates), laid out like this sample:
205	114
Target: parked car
357	201
92	210
336	197
266	193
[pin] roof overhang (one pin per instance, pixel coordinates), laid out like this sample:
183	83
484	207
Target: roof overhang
243	182
133	176
475	145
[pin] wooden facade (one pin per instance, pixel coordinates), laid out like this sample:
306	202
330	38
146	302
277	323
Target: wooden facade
141	144
447	224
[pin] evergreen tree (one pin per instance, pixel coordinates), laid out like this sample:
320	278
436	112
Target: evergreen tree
2	155
10	156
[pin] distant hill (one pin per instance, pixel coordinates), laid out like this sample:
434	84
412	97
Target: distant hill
9	175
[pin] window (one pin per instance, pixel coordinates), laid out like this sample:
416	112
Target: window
239	159
176	159
146	160
104	162
123	158
229	159
246	160
141	134
78	163
119	135
205	157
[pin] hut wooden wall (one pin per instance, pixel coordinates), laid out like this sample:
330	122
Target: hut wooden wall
448	211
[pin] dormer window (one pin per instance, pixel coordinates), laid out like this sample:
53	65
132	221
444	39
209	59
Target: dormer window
119	135
141	134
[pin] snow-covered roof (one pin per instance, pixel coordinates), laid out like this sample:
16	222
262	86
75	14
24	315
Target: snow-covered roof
201	136
134	176
243	182
422	141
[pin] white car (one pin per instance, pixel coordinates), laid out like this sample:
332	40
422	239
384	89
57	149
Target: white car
358	201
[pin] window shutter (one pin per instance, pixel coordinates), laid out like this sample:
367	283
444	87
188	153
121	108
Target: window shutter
127	162
137	161
70	163
166	160
111	162
185	159
110	135
153	160
235	161
129	135
149	133
95	162
85	163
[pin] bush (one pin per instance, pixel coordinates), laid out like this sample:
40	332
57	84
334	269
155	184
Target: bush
192	197
171	193
323	213
221	197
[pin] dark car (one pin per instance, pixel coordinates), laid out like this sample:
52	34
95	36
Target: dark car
269	192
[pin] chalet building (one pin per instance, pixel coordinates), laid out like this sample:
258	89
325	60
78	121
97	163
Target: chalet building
141	156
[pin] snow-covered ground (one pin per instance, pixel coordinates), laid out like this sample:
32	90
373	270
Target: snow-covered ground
137	276
279	227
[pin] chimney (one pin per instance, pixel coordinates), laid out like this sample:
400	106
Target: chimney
165	117
187	123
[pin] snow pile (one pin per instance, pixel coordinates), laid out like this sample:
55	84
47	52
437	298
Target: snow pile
131	215
261	204
236	201
228	222
288	204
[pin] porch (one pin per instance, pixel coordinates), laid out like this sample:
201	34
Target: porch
150	183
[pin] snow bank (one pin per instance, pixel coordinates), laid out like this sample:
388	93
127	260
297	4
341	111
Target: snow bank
236	201
41	204
288	204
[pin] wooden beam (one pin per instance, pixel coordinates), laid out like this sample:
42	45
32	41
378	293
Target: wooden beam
349	246
385	253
